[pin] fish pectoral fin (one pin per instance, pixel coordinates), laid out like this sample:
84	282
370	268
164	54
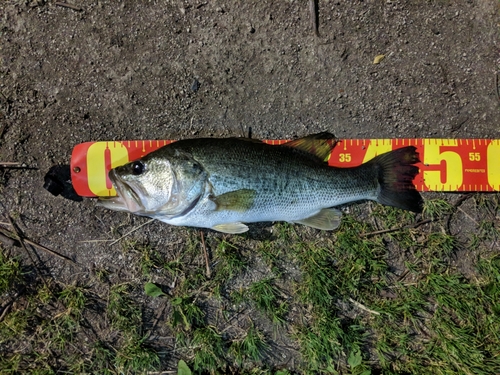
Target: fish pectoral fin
319	145
326	219
237	200
232	228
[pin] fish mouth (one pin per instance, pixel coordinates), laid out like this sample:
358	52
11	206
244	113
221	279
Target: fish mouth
127	199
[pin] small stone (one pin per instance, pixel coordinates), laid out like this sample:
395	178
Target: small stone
195	86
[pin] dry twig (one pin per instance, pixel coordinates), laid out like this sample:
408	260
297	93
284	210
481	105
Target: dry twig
5	310
46	249
396	229
209	273
313	10
132	231
7	241
10	164
8	237
363	307
497	87
69	6
37	271
157	318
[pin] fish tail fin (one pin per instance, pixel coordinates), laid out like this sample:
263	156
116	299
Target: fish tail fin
395	173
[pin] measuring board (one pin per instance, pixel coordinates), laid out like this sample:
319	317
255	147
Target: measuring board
451	165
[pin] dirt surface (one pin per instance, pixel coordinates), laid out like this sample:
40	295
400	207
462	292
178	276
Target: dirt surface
109	70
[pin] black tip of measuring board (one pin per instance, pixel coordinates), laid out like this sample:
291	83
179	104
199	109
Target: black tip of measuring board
57	181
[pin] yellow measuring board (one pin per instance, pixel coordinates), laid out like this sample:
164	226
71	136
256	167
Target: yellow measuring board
452	165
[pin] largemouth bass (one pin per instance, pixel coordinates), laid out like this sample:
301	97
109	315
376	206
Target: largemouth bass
223	183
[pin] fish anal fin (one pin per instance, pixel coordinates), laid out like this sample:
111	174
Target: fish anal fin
237	200
326	219
319	145
232	228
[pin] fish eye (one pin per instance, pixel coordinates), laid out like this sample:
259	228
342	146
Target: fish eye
138	167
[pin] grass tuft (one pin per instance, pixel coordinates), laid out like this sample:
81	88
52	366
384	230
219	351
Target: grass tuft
267	298
250	347
122	311
186	313
134	356
434	208
74	299
10	272
228	261
207	348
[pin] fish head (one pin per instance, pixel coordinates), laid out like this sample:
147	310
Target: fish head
159	184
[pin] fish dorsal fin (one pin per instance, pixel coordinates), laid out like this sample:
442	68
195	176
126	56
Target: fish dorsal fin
238	200
251	140
232	228
326	219
319	145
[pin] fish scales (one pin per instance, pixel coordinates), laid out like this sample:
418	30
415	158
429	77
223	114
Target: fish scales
288	183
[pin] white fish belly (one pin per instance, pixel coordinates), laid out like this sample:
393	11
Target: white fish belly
206	215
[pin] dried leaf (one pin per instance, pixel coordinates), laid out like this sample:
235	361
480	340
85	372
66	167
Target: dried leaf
378	59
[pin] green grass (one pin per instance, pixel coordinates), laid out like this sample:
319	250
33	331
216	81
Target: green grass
134	356
457	320
271	255
435	208
146	259
10	272
52	324
228	261
186	313
207	348
267	298
250	347
382	294
74	298
123	313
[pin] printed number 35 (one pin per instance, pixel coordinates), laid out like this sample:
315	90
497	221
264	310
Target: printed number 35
344	158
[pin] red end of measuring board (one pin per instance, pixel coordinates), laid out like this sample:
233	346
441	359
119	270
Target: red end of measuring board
451	165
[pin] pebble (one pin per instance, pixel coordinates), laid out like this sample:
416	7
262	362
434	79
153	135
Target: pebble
195	85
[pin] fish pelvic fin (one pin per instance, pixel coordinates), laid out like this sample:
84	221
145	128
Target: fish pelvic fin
232	228
326	219
319	145
395	173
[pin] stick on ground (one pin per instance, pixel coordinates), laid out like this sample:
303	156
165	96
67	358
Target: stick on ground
313	10
363	307
132	231
8	164
9	238
69	6
209	273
